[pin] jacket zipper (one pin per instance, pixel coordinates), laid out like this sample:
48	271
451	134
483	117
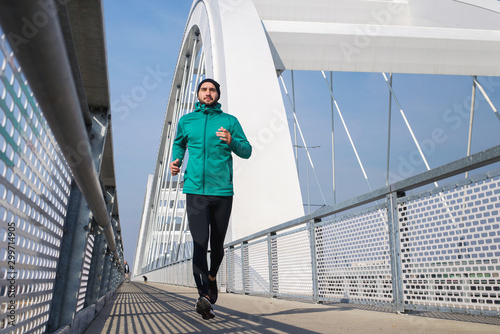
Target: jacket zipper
205	152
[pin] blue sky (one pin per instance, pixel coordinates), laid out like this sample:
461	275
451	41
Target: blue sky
143	41
142	38
437	108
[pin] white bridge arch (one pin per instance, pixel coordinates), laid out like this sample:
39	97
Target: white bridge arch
244	44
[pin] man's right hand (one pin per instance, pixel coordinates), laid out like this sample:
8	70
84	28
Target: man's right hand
174	167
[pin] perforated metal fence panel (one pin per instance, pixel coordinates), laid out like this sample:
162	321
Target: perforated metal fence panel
34	191
257	273
293	264
353	258
235	269
451	248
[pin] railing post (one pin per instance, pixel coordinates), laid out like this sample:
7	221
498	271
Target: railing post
272	250
96	270
270	262
314	267
395	248
98	254
244	265
69	268
230	278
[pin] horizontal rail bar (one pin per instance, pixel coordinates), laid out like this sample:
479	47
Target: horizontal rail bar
456	167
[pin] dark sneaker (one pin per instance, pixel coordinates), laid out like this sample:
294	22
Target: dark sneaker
212	291
204	308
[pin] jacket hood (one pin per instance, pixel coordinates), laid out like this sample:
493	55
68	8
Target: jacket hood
208	109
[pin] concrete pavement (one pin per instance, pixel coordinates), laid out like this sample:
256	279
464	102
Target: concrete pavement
160	308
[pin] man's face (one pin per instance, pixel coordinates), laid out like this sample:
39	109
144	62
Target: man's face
208	94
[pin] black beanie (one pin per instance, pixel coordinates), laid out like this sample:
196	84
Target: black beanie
215	83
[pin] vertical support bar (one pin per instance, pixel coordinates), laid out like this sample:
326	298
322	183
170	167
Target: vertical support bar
408	125
333	143
183	273
274	265
69	268
244	265
230	277
320	260
389	130
471	120
295	126
96	270
348	135
98	254
314	265
270	260
395	248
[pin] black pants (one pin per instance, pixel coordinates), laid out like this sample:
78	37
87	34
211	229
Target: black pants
208	217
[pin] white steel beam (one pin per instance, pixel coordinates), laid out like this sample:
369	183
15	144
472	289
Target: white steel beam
443	37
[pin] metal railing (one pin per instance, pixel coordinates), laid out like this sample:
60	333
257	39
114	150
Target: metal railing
436	249
61	252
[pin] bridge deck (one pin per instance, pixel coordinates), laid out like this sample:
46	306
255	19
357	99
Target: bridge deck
159	308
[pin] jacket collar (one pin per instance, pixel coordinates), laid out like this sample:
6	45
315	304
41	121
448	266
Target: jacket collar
207	109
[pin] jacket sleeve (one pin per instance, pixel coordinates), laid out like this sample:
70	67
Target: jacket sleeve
180	144
239	143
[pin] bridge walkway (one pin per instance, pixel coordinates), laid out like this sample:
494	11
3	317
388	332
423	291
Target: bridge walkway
141	307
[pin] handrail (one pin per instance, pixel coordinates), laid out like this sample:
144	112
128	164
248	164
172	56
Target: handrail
43	58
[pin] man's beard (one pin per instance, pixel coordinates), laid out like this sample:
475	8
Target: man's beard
211	103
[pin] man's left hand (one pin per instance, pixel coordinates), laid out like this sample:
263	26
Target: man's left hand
224	135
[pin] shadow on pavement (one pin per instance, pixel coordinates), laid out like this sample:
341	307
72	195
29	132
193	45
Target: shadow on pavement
160	308
144	308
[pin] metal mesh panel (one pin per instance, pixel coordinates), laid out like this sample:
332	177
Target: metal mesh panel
353	258
186	270
293	264
222	278
235	265
450	244
154	276
177	274
34	190
257	273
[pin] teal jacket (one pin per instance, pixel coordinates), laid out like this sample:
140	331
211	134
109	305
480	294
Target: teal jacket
210	165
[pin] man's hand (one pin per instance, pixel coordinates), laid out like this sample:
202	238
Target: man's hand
174	167
224	135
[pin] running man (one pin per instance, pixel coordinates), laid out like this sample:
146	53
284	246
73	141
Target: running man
211	136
